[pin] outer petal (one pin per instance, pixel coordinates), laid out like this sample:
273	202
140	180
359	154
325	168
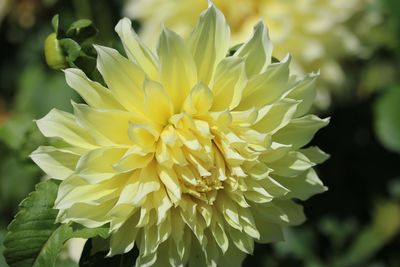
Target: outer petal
136	50
304	90
123	239
209	42
267	87
257	51
96	165
291	165
300	131
56	163
228	84
123	77
178	70
303	186
93	93
89	215
62	125
107	126
95	194
232	258
276	116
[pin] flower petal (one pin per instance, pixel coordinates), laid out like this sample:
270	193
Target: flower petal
257	51
209	42
123	240
158	105
228	84
60	124
96	165
136	50
98	124
56	163
92	92
178	69
200	99
300	131
305	91
266	87
123	77
275	116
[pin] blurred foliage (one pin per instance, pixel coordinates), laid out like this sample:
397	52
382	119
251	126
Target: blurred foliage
355	224
387	118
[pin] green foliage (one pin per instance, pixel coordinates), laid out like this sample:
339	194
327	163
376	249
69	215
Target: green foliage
2	259
385	225
94	255
387	119
33	238
71	46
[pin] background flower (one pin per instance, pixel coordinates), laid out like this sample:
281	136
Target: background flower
189	154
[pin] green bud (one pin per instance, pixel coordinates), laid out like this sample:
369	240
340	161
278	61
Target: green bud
53	53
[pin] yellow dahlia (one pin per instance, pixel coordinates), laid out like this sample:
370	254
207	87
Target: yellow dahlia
313	31
189	154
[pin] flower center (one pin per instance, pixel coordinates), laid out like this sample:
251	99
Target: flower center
207	153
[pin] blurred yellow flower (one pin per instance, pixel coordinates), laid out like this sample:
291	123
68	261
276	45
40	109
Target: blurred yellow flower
189	154
314	32
4	8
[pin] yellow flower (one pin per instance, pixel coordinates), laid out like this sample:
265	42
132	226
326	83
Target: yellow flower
189	154
313	31
4	8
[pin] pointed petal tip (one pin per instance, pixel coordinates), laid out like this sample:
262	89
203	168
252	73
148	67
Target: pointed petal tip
123	24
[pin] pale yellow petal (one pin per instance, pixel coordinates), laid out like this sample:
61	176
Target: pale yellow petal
257	51
106	126
56	163
60	124
300	131
267	87
178	69
123	240
228	84
275	116
92	92
209	42
199	101
96	165
305	91
123	77
136	50
158	104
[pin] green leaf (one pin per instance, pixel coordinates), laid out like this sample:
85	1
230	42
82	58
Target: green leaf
2	260
55	23
81	30
33	238
387	119
71	48
32	226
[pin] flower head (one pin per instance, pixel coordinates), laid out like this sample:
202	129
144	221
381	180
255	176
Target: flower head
191	153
